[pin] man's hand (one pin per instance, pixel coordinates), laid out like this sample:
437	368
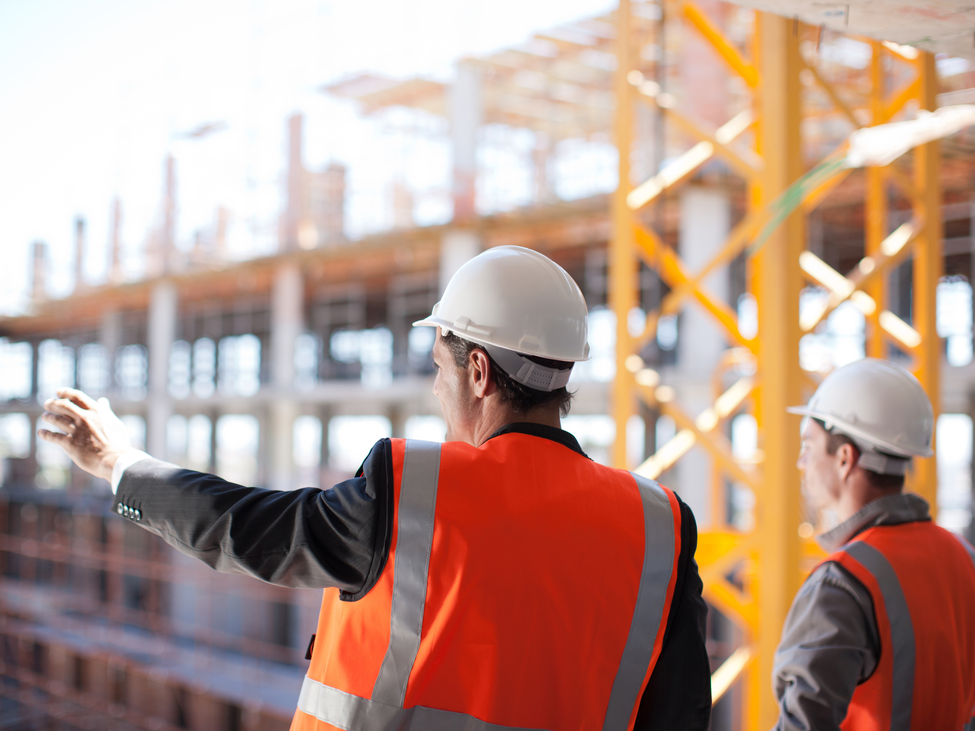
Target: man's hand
92	435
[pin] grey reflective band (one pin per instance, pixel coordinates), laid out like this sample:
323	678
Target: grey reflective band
527	372
967	546
901	631
658	565
414	522
348	711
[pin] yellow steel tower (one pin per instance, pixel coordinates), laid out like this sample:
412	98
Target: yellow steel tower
782	70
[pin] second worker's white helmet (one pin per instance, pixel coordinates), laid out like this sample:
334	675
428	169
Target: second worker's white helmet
517	302
881	407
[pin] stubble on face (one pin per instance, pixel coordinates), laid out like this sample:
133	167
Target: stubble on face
818	471
452	390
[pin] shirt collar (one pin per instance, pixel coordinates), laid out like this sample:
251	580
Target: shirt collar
888	510
541	430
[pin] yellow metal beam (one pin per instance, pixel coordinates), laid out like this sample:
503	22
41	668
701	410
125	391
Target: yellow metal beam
622	262
727	51
779	282
671	269
748	166
875	214
928	268
833	95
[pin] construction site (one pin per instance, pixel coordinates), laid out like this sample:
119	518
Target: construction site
647	151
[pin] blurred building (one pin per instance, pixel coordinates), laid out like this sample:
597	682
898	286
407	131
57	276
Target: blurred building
281	371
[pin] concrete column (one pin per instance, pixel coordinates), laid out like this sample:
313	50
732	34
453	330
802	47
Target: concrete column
169	217
325	414
115	266
79	254
397	420
39	272
466	107
705	220
294	202
163	307
214	416
456	248
287	323
110	336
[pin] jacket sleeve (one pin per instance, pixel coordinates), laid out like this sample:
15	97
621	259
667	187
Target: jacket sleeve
678	694
306	538
829	645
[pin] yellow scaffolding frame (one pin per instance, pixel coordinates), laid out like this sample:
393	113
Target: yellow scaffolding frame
771	560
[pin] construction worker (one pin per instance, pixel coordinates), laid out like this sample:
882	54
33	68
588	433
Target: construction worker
882	633
501	579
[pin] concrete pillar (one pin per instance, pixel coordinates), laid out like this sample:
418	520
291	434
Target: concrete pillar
115	266
287	323
294	201
110	336
169	216
466	108
214	416
39	272
705	220
325	414
456	248
397	420
79	254
163	308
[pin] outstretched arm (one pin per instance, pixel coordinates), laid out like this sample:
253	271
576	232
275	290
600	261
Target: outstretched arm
303	538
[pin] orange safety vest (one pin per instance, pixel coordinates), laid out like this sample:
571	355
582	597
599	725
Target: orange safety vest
922	582
526	587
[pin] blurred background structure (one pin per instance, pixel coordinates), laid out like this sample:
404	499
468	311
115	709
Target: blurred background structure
267	338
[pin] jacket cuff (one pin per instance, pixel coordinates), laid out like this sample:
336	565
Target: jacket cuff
123	463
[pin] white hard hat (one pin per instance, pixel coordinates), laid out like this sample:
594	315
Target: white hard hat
515	301
881	407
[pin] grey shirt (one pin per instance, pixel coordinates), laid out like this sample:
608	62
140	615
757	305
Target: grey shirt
830	642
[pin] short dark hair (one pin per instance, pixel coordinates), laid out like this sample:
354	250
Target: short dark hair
876	479
518	396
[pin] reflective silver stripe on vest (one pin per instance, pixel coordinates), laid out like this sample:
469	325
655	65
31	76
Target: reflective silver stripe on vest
658	564
967	545
414	542
348	711
901	631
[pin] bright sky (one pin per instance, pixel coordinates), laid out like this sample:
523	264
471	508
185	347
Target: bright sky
94	94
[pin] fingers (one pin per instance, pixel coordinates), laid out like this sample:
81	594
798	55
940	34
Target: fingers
79	398
66	408
61	422
58	438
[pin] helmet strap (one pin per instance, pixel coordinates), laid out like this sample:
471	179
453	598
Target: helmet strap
882	463
527	372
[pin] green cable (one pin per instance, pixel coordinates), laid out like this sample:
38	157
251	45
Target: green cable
792	197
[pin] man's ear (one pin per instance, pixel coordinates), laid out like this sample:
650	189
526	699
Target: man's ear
846	459
480	373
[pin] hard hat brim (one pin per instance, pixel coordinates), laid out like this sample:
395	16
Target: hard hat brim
475	335
855	432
